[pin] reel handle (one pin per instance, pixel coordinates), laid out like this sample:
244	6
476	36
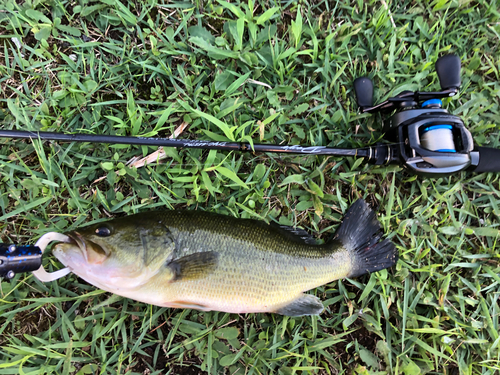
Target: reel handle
489	160
448	71
363	87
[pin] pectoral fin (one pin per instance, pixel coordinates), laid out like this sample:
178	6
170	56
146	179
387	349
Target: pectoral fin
194	266
305	304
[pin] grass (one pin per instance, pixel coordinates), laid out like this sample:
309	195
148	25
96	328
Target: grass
271	72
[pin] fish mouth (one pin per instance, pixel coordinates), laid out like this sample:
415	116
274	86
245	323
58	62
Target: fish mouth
76	239
91	251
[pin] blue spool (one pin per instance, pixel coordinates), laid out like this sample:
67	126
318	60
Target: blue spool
432	103
435	127
438	134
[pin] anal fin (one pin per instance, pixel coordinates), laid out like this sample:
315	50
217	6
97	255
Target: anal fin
188	305
194	266
305	304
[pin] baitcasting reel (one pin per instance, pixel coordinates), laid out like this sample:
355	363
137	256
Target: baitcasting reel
426	138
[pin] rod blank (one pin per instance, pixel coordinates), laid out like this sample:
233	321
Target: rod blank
186	143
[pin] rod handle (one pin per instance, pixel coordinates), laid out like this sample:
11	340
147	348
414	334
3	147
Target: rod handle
489	160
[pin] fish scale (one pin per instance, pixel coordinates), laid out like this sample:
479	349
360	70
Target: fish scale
195	259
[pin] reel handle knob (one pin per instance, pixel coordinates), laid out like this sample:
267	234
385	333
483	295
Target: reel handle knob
363	87
489	160
448	70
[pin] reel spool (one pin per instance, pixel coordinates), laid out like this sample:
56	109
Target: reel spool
438	138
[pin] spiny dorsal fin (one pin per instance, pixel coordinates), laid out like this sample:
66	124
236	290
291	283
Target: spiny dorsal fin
194	266
296	234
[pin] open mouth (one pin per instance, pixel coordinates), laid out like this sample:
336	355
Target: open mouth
76	239
91	251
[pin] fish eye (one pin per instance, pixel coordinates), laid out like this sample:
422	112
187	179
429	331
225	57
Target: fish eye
103	232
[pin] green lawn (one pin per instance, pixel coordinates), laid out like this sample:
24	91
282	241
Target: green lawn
273	72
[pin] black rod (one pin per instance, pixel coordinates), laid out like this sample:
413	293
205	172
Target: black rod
186	143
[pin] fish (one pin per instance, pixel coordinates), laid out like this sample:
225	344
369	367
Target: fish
201	260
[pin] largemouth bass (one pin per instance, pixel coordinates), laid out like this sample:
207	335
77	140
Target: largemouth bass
206	261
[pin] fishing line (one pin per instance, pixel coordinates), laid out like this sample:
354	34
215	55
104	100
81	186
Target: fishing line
438	138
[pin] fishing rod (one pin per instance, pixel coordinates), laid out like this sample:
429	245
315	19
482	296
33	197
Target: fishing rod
424	138
187	143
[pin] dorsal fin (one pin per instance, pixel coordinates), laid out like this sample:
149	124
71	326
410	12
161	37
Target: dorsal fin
295	234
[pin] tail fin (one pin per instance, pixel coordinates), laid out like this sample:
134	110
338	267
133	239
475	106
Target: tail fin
360	234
